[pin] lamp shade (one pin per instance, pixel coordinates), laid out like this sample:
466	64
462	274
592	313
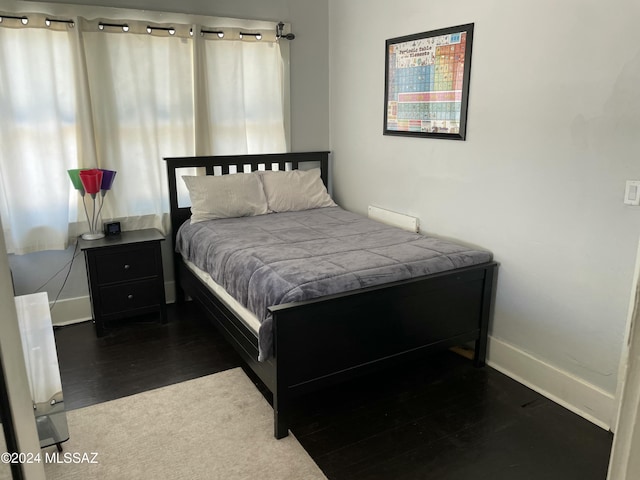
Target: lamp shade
108	176
74	175
91	180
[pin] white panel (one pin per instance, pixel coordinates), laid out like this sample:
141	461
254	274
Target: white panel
15	372
38	343
394	219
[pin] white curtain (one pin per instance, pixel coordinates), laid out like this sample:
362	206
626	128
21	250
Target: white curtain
38	137
141	93
81	96
245	108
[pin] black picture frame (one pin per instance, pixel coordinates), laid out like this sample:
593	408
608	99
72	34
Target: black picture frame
426	87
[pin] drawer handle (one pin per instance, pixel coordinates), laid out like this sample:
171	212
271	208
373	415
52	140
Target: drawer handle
127	266
130	297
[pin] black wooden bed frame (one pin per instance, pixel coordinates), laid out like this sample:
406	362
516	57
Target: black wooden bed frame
330	339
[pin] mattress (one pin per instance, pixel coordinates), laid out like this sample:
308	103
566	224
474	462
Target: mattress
278	258
248	318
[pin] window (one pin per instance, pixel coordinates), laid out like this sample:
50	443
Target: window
38	137
82	95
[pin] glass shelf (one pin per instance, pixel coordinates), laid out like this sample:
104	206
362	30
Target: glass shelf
41	360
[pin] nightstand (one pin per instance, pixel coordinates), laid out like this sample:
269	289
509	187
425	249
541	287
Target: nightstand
125	276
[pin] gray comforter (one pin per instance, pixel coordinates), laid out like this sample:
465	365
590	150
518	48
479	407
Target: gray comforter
286	257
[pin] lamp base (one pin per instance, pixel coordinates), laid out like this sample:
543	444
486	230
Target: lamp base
92	236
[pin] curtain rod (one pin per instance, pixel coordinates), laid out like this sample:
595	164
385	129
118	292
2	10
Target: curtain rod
125	28
48	21
258	36
24	19
280	34
220	33
169	30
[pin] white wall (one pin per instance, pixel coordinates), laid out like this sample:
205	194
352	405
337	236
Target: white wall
552	135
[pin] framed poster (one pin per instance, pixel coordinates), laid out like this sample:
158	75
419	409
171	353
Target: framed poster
426	88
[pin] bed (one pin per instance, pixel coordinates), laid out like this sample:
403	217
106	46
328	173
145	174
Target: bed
318	339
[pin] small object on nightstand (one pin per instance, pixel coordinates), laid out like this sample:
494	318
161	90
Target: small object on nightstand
125	276
111	228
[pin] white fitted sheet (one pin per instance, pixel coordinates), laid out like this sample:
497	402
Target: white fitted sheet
247	317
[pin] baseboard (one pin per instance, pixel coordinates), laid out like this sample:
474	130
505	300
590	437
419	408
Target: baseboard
565	389
68	311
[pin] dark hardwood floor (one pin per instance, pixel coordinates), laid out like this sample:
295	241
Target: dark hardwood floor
138	355
442	419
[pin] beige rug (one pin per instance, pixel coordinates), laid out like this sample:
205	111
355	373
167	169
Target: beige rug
214	427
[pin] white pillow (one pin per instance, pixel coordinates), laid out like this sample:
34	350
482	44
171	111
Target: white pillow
295	190
224	196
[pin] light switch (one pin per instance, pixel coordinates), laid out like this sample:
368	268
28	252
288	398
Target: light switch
632	192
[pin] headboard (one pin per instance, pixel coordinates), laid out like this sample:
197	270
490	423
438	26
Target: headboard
180	214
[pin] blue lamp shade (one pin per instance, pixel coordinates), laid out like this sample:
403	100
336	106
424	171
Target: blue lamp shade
108	176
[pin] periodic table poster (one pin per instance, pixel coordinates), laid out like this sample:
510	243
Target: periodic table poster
427	83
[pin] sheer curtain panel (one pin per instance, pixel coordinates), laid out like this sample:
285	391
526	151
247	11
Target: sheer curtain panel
121	95
38	135
242	91
141	93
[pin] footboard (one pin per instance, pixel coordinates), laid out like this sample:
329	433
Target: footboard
320	342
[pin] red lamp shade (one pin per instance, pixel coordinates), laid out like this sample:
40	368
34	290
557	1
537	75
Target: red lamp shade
91	180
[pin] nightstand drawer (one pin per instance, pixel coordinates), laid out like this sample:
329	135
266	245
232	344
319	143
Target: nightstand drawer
126	265
129	296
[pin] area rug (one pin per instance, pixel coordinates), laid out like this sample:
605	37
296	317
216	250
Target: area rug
214	427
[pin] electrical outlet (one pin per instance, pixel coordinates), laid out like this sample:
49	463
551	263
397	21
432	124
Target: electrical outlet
632	192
